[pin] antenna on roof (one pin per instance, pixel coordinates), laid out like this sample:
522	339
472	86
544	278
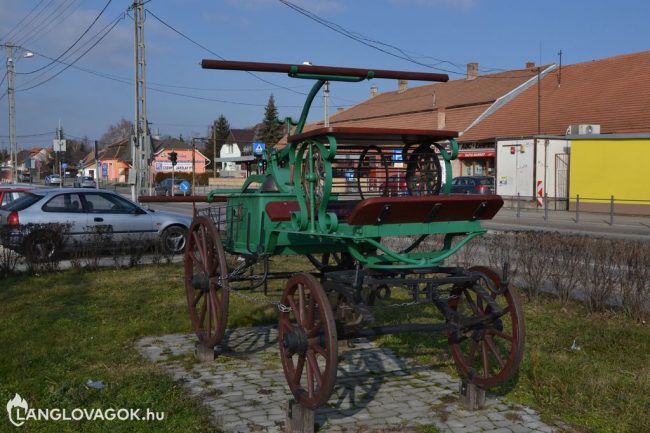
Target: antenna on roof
559	73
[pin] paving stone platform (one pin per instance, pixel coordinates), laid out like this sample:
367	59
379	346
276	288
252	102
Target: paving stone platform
375	390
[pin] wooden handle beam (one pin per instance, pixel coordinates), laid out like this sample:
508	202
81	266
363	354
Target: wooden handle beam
321	70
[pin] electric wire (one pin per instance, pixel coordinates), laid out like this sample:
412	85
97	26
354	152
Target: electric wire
74	43
55	21
217	55
114	24
10	32
26	28
372	43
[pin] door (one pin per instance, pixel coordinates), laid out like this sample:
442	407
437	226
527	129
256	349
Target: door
66	209
561	181
124	221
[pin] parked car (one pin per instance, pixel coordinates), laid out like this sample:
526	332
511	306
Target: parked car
9	193
53	179
472	185
85	182
82	213
395	186
165	187
24	176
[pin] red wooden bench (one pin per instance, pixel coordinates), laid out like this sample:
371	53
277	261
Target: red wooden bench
401	210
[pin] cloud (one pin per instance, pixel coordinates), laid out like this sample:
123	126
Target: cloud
464	5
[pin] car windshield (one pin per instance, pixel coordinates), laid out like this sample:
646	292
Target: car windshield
487	181
23	202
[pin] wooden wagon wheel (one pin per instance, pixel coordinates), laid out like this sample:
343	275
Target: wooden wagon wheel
423	171
488	354
206	286
308	341
365	169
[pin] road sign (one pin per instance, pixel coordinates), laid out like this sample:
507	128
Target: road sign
64	165
258	148
104	170
397	155
58	145
184	186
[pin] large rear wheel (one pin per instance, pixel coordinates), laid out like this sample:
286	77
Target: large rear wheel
206	283
488	352
308	341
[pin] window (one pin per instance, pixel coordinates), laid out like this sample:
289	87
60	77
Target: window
64	203
108	203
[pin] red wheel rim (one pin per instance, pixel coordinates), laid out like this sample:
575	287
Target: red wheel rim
308	341
205	287
488	355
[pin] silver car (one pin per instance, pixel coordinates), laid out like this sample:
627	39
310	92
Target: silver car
45	222
84	182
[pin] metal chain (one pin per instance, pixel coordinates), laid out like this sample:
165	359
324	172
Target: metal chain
279	305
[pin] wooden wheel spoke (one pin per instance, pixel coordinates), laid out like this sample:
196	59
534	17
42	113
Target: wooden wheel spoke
197	299
495	351
301	304
299	367
295	310
313	366
500	334
310	382
313	332
484	356
471	302
322	351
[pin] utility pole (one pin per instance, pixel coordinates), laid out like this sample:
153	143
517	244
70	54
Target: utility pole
214	149
326	103
559	74
141	144
12	112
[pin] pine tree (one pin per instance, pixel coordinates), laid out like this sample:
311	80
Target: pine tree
270	131
219	130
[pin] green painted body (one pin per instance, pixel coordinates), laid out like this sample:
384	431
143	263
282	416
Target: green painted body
312	229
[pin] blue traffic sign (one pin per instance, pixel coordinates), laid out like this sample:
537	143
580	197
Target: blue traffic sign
104	170
184	186
397	155
258	148
64	165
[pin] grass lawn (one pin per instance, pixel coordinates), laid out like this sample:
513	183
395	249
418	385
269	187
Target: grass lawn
58	331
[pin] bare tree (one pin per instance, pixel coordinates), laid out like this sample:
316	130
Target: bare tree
117	132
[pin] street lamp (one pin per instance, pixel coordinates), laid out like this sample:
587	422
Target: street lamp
9	48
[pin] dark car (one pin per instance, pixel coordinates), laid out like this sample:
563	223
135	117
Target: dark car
24	176
472	185
395	186
165	187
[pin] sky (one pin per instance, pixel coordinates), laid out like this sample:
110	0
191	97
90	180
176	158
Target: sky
183	99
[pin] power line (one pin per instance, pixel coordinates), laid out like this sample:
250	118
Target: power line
372	43
217	55
26	27
6	35
55	21
74	43
115	23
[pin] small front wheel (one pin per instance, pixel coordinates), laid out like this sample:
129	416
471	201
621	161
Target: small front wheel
308	341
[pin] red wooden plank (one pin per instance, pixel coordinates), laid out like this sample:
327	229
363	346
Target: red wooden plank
376	136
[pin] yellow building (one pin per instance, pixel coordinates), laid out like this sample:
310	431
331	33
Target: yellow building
610	166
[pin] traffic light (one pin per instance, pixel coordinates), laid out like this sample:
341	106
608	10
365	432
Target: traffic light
172	157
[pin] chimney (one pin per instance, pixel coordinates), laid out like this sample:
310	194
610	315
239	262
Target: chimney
402	85
442	118
472	71
530	65
339	109
373	91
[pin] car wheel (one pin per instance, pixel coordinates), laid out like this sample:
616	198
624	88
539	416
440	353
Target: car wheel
173	239
41	246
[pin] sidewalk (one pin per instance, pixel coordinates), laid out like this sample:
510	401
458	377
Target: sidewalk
595	224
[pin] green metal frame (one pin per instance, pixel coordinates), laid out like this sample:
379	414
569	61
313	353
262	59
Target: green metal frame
302	172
